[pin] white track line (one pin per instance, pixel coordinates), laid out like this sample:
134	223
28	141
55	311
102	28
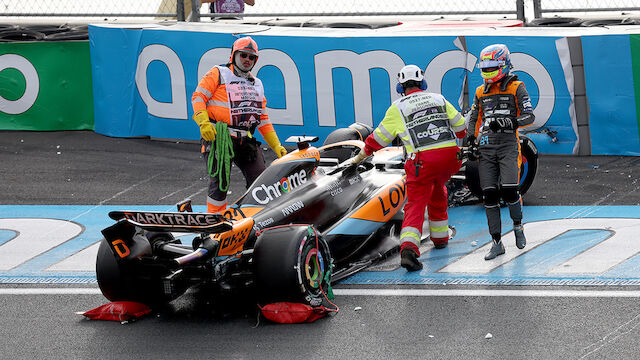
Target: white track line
486	293
49	291
381	292
116	195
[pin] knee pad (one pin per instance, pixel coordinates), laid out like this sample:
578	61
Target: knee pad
491	197
510	194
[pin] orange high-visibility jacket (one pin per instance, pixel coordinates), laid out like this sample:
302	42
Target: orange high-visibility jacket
237	101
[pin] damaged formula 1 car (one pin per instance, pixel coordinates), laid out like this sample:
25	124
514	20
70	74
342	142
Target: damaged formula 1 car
310	219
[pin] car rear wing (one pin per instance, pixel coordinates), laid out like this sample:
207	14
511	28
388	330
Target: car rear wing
175	221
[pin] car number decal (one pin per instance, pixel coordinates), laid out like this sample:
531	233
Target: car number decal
233	240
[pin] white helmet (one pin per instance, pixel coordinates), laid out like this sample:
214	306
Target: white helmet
410	72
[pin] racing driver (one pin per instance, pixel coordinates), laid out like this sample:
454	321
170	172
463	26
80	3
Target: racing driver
428	126
501	105
230	94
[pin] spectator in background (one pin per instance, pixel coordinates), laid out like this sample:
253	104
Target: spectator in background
170	7
229	6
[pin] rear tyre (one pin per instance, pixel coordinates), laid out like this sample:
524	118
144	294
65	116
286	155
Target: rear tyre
119	281
293	264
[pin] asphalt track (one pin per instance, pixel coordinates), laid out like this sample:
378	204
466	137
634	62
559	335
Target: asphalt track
395	320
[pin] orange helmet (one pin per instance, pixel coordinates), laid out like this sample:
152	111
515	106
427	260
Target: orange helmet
244	44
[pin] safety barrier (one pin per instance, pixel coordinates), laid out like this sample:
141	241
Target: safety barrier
316	81
46	85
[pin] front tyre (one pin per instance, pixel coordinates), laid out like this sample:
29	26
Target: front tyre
292	263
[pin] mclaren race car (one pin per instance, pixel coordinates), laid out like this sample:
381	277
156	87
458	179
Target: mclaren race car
310	219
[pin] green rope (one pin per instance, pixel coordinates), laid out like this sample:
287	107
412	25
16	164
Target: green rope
223	147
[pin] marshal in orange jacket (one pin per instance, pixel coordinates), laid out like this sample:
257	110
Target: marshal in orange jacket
238	101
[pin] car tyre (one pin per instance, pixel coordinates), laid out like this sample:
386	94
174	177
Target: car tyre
472	178
293	264
119	282
528	169
529	166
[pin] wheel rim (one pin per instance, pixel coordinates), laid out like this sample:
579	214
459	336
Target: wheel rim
314	268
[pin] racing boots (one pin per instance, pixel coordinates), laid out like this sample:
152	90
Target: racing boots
497	249
409	254
518	231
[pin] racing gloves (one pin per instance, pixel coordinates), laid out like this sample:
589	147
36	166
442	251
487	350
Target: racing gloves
207	131
502	123
472	150
272	139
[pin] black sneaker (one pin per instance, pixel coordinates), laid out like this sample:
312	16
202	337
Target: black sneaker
497	249
409	260
521	241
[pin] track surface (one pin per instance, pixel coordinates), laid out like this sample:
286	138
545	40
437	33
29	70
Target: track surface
434	321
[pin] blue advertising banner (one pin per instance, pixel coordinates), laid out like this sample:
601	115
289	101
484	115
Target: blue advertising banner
312	84
610	89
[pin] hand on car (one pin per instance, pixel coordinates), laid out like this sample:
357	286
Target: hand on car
360	157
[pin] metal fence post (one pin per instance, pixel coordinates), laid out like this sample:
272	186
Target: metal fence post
520	10
537	9
464	104
195	11
180	10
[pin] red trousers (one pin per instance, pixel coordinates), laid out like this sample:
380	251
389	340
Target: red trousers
428	190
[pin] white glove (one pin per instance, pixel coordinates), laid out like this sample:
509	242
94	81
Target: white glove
359	158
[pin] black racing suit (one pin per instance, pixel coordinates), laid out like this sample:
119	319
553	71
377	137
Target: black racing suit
498	111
